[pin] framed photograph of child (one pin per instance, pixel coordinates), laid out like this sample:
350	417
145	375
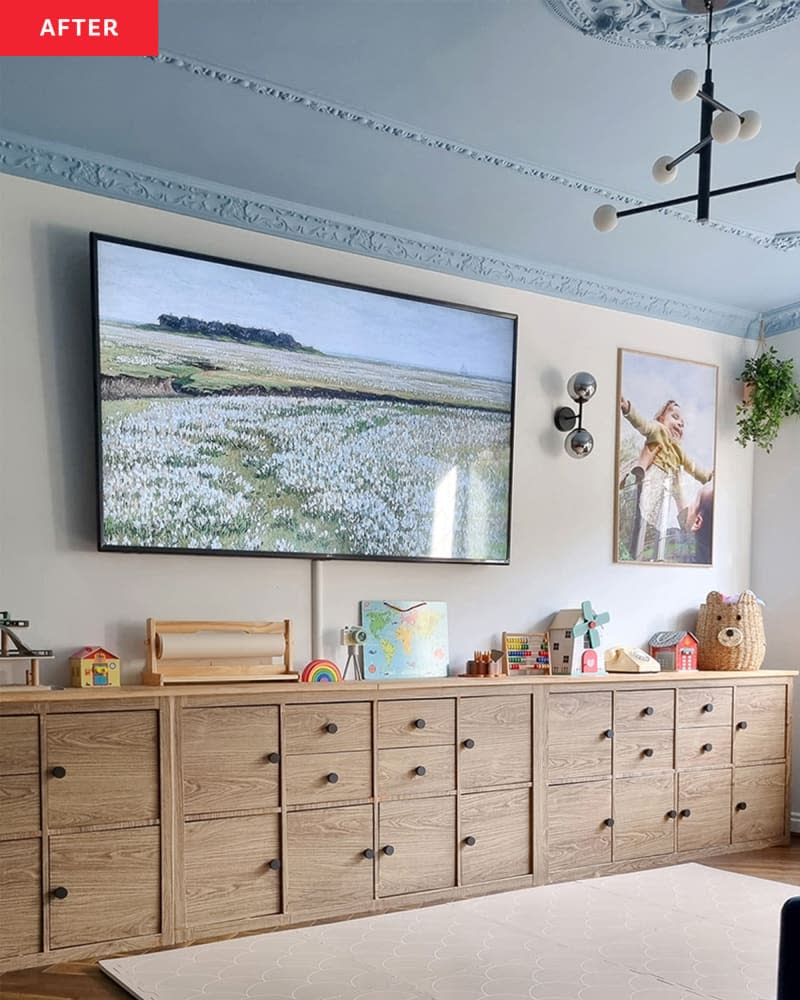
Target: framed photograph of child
666	444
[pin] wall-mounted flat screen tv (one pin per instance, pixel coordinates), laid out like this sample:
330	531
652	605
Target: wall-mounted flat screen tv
244	410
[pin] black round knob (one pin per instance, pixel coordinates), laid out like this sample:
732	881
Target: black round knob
741	725
469	744
332	728
470	841
420	723
388	849
275	864
741	806
672	814
60	892
648	711
648	751
59	772
686	813
608	822
274	758
708	708
369	854
707	747
333	777
609	734
420	771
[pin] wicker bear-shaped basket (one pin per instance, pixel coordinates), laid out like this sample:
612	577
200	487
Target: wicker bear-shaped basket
730	634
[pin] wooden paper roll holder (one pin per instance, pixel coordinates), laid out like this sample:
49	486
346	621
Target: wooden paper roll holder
216	669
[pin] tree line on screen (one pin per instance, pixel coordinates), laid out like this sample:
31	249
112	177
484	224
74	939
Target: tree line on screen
231	331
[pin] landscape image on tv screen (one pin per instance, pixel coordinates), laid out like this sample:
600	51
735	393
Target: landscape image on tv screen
244	410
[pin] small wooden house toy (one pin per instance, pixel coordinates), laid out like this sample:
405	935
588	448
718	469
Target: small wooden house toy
94	666
674	650
574	636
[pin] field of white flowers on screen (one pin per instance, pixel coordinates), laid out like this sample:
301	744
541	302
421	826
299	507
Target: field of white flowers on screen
314	475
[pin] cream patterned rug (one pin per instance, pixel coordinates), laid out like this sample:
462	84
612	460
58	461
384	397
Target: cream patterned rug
682	933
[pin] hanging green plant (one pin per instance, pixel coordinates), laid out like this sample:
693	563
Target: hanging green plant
772	395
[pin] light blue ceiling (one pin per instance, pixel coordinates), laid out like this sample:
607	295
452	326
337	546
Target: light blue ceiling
462	134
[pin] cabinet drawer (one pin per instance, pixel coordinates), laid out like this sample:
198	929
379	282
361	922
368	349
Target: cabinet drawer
231	869
579	736
102	767
704	810
19	744
705	706
637	752
759	731
20	898
230	759
644	821
327	867
703	747
422	834
495	835
416	723
328	777
325	728
19	804
414	771
643	710
113	883
759	803
578	825
494	741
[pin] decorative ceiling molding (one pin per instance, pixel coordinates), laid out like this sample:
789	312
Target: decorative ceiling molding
782	320
666	24
399	130
112	178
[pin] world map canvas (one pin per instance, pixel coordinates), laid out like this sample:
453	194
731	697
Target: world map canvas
405	639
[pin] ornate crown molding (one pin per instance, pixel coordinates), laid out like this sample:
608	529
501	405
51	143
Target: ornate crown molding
666	24
782	320
399	130
75	169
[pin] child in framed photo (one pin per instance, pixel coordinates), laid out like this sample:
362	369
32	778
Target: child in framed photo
666	434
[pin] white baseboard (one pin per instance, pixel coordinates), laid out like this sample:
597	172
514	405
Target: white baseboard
794	822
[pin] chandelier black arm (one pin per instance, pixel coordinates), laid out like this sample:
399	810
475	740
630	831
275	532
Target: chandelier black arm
711	194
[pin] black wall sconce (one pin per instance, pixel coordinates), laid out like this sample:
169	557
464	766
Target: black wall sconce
579	442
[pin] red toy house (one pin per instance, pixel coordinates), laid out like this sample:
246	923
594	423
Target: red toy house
674	650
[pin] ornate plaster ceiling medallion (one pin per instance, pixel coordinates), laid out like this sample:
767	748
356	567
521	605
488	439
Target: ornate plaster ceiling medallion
671	24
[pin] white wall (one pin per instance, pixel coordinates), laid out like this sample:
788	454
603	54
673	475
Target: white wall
562	531
776	549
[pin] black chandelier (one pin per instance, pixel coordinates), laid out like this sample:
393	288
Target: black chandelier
723	127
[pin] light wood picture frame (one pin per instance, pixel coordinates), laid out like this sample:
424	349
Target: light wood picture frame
665	455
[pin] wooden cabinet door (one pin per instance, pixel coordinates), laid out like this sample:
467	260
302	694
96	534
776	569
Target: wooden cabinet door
230	759
328	777
759	803
428	722
421	834
19	744
102	767
644	710
20	898
578	825
495	835
19	804
644	826
231	869
326	866
579	736
328	727
704	809
494	737
113	883
415	771
759	723
712	706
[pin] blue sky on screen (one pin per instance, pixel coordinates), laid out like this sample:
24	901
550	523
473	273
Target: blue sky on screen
136	285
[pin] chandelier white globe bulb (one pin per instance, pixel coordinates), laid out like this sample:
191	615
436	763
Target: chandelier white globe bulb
660	173
750	126
605	218
725	127
685	85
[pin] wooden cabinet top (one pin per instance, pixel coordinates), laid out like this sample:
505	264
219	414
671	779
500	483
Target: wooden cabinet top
283	691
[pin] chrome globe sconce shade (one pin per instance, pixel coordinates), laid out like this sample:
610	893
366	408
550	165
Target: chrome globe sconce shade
721	127
578	442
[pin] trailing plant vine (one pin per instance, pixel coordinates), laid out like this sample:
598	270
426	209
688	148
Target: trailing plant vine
774	395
